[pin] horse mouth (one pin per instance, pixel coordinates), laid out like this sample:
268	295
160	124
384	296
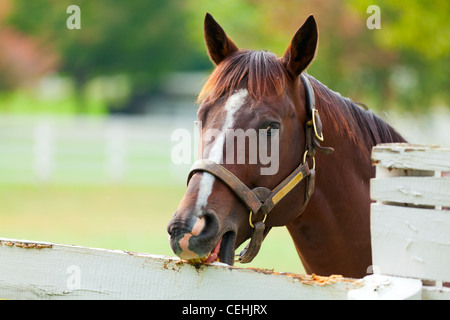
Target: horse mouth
223	251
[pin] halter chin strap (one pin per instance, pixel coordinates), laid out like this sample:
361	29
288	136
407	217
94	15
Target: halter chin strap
260	201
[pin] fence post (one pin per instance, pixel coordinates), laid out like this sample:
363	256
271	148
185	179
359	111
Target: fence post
115	152
43	151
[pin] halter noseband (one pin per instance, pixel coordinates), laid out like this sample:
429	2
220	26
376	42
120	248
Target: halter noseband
261	200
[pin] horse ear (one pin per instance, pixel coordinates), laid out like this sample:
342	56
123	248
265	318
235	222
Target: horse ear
303	46
219	46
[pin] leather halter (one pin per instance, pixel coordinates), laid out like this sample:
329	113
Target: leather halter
260	201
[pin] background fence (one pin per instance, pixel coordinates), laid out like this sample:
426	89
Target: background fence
132	150
83	150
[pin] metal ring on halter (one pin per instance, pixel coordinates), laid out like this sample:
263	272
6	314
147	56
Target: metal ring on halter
250	219
313	158
314	112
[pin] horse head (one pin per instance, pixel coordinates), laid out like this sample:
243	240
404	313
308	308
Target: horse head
254	115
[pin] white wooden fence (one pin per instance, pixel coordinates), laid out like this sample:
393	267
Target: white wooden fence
37	270
410	221
31	270
91	151
410	229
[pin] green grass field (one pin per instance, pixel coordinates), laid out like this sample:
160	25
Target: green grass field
124	218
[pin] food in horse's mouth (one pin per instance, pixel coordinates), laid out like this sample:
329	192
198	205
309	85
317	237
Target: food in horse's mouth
211	257
214	253
223	251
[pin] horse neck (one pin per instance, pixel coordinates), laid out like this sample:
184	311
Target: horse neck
335	225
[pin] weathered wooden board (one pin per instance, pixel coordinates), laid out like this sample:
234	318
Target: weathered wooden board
381	287
36	270
32	270
411	242
435	293
408	156
434	191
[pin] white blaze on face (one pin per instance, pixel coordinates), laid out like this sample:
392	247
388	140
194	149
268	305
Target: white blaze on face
233	104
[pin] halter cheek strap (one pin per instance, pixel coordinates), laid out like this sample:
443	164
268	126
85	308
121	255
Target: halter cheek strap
261	201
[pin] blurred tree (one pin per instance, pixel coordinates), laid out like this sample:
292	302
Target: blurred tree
23	59
418	34
141	39
405	63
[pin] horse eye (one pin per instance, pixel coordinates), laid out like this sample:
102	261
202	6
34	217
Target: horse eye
270	127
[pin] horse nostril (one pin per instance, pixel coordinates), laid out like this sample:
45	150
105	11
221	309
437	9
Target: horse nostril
193	236
173	231
204	226
211	226
174	228
180	225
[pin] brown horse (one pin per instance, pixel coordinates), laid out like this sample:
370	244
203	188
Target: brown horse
321	197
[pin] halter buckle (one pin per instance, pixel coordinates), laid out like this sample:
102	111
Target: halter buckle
315	113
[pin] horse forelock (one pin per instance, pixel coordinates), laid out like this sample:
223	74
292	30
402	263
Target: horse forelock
260	72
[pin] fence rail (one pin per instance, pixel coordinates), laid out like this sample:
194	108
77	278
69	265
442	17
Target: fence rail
80	150
37	270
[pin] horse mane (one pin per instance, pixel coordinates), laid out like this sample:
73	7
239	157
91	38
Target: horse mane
265	75
361	125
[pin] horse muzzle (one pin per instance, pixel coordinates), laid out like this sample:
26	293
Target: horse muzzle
198	238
